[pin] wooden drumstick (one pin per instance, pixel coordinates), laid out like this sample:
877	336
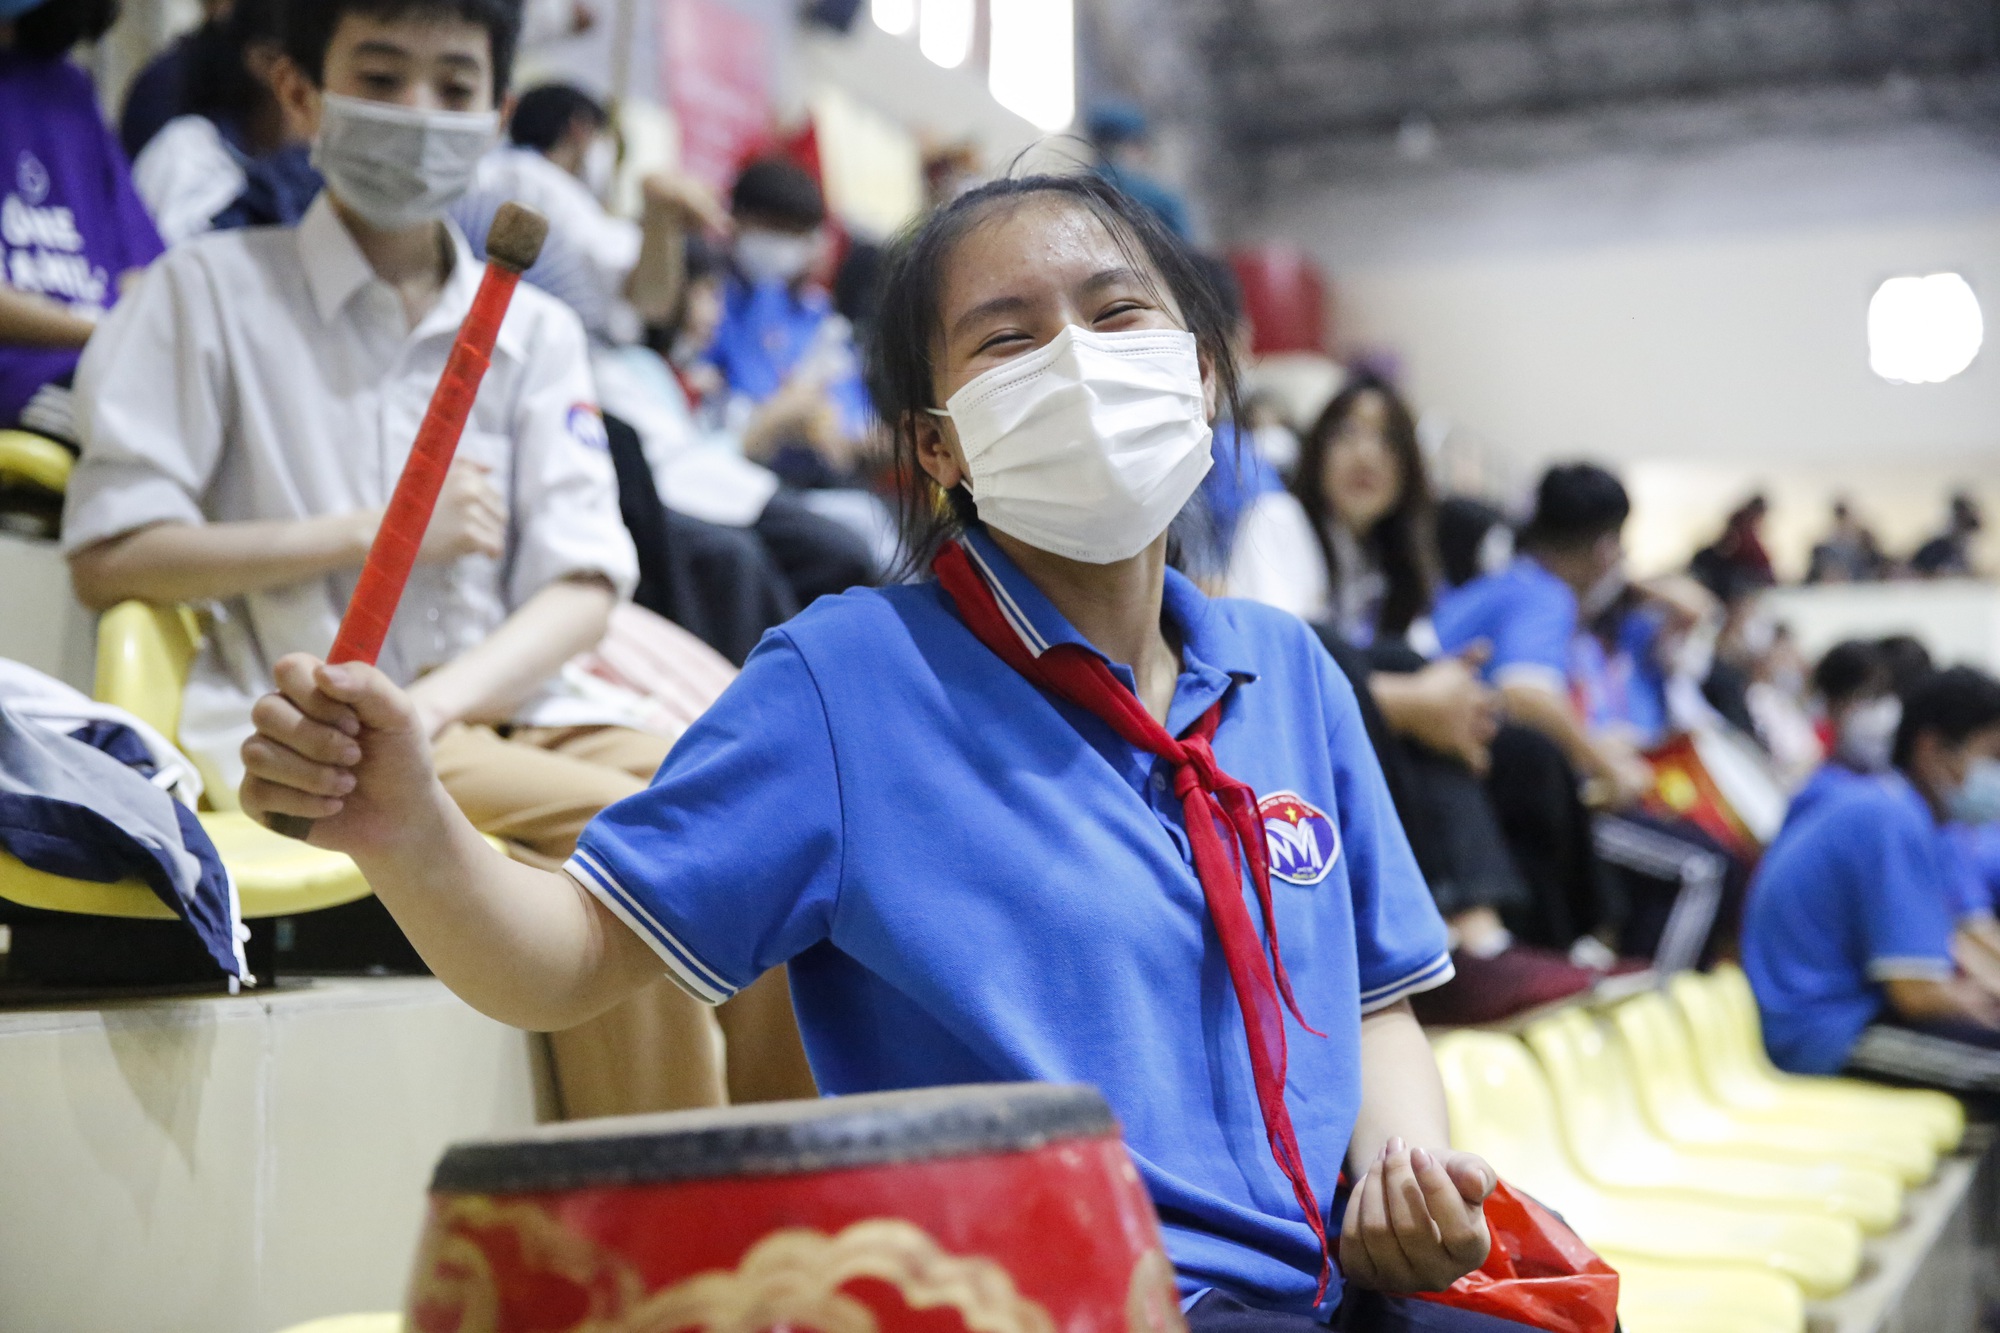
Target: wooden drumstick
512	244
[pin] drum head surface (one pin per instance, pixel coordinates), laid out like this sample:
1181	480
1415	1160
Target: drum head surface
777	1138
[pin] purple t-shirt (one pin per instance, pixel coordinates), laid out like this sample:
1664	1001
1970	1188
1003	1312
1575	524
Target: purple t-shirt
70	221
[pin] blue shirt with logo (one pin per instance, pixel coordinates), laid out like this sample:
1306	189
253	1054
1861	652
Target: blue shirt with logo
1856	889
973	881
1526	613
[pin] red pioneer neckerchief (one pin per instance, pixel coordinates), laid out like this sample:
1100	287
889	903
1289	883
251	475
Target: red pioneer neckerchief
1218	807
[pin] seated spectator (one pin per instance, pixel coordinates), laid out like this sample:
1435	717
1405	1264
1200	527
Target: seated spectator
1949	554
154	96
1238	475
247	412
1355	532
1473	539
72	230
1848	936
1848	553
560	161
1122	138
1569	559
725	550
1737	559
1859	711
780	337
230	157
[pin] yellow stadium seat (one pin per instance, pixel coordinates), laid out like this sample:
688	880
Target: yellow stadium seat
143	656
1612	1142
1722	1012
1680	1108
1501	1109
350	1323
1688	1298
36	460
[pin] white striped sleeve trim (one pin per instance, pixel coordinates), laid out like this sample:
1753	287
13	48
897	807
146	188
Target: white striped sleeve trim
687	970
1910	969
1031	638
1428	977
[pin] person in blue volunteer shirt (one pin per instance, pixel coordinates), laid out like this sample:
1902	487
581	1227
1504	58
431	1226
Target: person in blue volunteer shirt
780	337
1018	822
1847	938
1568	566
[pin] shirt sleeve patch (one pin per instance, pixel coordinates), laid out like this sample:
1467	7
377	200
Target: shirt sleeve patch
688	971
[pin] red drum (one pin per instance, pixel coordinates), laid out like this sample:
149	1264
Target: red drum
1004	1208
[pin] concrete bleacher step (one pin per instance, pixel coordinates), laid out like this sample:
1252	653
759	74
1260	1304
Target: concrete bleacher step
1938	1271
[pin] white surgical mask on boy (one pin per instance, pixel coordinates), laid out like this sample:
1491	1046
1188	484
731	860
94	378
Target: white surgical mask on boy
773	256
1866	737
398	166
1087	447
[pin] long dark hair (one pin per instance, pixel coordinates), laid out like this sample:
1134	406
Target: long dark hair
1404	540
907	325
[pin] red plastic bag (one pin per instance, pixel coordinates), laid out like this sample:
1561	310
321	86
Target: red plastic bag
1537	1273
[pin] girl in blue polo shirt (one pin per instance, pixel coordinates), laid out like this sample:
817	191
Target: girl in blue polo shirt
1052	814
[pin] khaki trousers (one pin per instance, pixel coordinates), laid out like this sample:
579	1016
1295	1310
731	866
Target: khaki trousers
659	1050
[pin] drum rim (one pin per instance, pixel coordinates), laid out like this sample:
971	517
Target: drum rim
777	1138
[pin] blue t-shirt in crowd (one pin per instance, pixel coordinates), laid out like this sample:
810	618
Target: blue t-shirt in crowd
70	221
1855	890
1621	686
769	329
1527	614
975	882
1978	850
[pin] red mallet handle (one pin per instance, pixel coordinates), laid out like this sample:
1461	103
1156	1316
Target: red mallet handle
512	244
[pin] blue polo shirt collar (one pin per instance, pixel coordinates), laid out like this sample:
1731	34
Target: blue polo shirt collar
1213	655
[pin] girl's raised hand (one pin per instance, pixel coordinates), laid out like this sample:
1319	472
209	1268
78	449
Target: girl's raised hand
1416	1222
345	748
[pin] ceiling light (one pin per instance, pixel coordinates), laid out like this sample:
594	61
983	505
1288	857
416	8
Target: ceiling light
945	32
1031	60
1923	330
896	17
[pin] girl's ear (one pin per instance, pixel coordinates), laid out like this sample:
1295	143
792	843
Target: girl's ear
1210	390
937	448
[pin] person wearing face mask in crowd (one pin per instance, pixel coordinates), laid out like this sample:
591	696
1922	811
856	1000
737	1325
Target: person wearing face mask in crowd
617	274
246	414
780	339
1848	938
73	232
1018	821
725	549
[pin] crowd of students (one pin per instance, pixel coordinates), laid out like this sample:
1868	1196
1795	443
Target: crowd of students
677	413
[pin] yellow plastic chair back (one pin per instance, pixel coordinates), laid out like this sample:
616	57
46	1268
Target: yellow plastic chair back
1616	1147
350	1323
144	653
1748	1076
36	460
1686	1298
1501	1109
1680	1108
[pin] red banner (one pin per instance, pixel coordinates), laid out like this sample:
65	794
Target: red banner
716	63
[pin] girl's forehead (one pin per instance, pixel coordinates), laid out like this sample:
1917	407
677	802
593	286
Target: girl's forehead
1037	243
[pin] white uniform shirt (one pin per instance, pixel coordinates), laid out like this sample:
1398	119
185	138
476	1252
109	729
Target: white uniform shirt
596	249
269	374
698	473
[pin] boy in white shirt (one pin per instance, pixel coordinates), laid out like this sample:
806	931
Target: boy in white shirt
248	409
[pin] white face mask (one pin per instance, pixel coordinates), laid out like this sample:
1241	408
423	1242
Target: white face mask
1089	446
397	166
600	167
1866	737
773	256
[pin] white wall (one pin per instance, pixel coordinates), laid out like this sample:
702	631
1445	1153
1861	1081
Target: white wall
1696	317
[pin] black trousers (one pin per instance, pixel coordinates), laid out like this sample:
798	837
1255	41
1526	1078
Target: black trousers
1441	804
